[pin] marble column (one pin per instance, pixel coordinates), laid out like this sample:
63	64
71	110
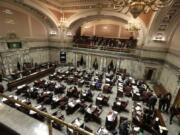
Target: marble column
90	65
101	64
87	61
75	59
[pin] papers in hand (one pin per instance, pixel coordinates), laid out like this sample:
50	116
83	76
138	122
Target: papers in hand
21	86
71	104
161	128
100	98
77	123
4	99
18	105
32	112
136	129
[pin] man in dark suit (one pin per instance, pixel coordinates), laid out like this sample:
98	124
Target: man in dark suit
124	128
173	112
152	102
161	103
168	97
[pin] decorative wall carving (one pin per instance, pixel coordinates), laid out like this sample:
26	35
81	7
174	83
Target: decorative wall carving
45	19
166	22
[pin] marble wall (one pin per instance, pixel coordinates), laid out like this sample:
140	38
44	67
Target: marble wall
171	70
169	78
31	51
39	55
135	67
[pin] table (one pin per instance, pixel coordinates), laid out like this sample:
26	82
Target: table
93	112
30	78
102	100
73	106
120	105
76	122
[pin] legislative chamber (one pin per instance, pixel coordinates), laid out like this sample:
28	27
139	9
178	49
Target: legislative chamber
89	67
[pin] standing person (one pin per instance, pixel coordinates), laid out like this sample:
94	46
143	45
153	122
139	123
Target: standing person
161	102
168	101
174	110
172	113
18	66
152	102
124	128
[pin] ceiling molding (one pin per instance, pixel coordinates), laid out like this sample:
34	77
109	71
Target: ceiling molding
165	21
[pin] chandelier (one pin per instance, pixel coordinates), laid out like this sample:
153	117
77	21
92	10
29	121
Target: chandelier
62	23
136	7
133	26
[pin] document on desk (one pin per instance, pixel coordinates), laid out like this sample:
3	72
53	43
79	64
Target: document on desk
71	104
100	98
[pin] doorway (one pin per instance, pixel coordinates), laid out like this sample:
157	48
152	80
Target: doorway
149	73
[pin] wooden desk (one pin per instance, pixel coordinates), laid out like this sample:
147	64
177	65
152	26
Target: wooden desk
162	123
159	89
92	113
30	78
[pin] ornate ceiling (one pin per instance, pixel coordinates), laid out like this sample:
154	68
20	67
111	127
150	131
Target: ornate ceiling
50	12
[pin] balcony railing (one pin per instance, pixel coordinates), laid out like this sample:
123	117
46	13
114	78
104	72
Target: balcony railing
50	118
116	49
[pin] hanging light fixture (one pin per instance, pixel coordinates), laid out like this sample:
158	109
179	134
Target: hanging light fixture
62	29
133	26
136	7
62	23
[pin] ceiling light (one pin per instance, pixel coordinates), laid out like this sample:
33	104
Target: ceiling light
133	26
105	27
53	33
86	27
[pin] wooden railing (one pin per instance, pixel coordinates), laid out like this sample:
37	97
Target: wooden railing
49	117
116	49
28	79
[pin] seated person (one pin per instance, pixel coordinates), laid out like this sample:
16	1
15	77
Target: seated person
81	82
120	105
73	92
22	89
127	90
59	116
72	106
59	88
102	99
98	85
92	113
86	95
107	88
